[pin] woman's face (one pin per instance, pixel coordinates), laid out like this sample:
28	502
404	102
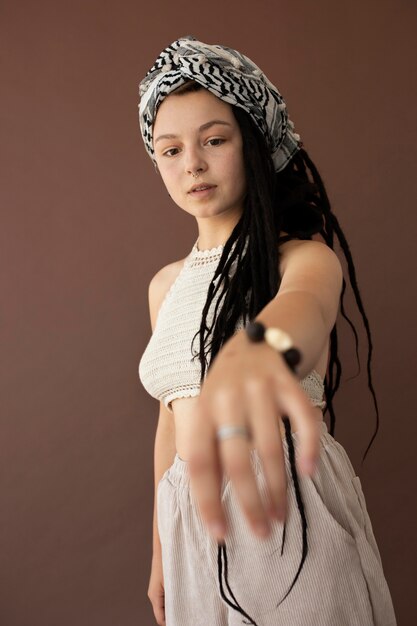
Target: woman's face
205	138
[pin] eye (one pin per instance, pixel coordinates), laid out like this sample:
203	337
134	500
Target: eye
170	150
216	139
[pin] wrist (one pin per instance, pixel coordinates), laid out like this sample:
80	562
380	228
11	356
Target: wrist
278	339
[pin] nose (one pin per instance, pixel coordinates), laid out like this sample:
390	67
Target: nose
194	161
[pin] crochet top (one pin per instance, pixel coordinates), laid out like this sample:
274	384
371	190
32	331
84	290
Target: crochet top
167	368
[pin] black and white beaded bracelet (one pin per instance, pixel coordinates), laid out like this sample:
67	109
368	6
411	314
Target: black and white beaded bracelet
276	338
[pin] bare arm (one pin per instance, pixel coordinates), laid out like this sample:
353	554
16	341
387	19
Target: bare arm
249	384
307	302
164	453
164	448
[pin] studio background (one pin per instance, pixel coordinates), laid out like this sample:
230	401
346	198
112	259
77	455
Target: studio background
86	223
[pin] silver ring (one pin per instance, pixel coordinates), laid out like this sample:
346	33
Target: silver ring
228	431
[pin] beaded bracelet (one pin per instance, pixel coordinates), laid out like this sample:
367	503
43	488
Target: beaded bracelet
276	338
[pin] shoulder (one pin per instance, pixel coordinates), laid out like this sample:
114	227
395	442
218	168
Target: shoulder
312	266
159	286
298	252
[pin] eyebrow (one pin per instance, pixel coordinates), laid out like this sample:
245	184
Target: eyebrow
202	127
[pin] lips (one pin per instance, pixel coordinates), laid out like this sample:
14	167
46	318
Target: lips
200	186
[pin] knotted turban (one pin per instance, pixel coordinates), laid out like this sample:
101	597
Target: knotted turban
229	75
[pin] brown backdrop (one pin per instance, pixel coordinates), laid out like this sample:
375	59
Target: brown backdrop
85	225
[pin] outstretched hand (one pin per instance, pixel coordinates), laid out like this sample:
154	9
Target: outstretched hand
248	384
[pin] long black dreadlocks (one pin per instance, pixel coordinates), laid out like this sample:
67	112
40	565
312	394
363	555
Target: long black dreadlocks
286	201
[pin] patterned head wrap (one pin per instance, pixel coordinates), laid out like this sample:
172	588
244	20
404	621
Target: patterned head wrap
229	75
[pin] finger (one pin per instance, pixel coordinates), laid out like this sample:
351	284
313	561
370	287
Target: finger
294	403
268	442
235	457
205	473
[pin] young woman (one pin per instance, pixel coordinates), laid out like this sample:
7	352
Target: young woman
259	516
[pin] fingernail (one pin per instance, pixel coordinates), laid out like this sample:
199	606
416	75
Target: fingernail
218	530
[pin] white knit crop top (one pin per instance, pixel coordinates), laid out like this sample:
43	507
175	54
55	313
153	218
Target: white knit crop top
167	368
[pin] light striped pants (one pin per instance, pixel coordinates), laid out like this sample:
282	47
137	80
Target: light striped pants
341	583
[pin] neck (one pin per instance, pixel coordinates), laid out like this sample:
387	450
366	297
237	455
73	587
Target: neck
211	234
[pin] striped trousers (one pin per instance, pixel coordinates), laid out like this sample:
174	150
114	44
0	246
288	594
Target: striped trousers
341	583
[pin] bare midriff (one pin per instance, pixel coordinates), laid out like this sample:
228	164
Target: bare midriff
184	410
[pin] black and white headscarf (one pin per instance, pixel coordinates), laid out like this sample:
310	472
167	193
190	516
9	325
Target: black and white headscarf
229	75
